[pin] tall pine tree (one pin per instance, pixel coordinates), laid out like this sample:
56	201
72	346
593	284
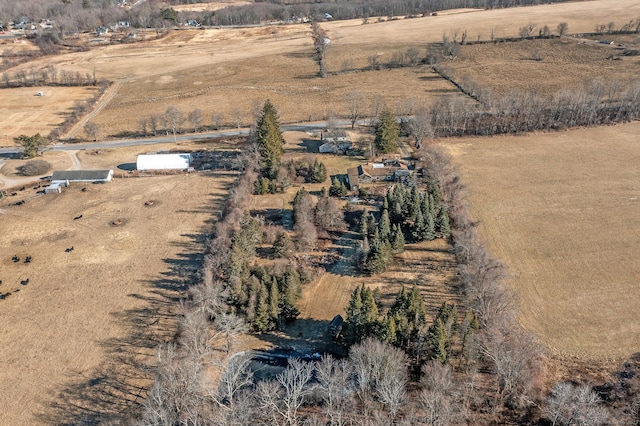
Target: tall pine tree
387	132
270	140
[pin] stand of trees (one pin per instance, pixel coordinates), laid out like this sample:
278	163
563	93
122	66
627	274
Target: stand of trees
597	102
422	215
47	76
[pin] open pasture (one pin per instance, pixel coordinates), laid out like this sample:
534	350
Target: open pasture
561	210
23	112
99	293
582	17
544	65
228	71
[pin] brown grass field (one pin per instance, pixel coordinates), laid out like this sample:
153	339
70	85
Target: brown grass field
87	319
228	71
561	210
565	63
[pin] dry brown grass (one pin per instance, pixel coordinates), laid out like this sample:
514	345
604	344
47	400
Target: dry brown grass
561	210
229	70
504	67
22	112
70	336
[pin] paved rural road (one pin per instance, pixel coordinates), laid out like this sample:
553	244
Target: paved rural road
301	127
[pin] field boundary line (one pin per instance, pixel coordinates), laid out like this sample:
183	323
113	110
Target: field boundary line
104	100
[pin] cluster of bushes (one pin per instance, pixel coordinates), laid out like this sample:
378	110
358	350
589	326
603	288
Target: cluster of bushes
422	214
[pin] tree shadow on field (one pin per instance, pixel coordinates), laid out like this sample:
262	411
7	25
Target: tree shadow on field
114	392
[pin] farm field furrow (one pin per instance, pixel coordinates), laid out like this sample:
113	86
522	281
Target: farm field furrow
561	210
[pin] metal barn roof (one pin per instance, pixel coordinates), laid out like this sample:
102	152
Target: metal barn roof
83	175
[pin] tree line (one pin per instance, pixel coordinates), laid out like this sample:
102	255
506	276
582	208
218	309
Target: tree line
596	102
47	76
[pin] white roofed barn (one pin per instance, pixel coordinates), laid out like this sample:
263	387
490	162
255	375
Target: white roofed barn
178	161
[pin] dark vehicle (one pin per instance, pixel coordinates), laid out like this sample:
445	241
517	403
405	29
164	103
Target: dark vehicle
335	327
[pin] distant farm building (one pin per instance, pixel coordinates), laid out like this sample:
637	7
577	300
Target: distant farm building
181	161
62	178
55	188
94	176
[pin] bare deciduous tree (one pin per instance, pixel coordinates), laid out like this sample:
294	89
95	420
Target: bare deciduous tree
195	118
92	130
142	125
570	404
217	118
562	28
174	118
335	388
230	326
355	101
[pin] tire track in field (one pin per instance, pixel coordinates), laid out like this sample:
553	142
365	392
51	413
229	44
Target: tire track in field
104	101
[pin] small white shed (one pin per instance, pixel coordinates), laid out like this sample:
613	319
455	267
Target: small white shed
177	161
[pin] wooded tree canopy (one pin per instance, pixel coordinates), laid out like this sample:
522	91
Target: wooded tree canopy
269	139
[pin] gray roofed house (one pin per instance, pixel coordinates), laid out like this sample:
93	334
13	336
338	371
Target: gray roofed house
82	175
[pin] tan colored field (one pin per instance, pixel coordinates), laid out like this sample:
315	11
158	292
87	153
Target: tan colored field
562	210
565	63
213	6
582	16
22	112
228	70
73	338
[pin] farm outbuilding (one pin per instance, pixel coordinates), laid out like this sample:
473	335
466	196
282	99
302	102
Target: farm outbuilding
94	176
180	161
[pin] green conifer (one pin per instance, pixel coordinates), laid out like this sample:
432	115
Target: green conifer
387	132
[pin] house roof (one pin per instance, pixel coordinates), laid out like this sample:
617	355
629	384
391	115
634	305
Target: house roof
352	175
369	170
83	175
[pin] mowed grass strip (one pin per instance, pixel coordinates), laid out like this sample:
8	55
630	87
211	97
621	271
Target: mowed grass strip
561	210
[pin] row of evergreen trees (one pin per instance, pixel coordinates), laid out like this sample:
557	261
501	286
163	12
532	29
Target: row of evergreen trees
405	326
422	214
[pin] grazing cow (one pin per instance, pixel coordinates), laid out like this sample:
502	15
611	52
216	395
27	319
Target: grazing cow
27	259
15	259
0	282
25	282
77	217
68	250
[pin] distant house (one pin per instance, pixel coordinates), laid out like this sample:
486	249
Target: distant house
101	31
173	161
94	176
339	145
388	170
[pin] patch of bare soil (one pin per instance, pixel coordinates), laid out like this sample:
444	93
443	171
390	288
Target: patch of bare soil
94	300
